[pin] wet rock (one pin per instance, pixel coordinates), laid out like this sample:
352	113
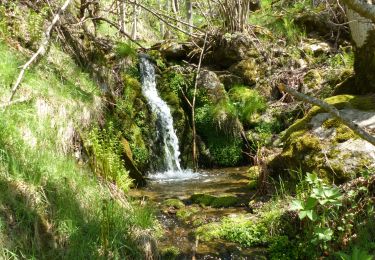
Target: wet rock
323	144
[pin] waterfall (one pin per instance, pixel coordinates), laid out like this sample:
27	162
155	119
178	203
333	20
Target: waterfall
166	132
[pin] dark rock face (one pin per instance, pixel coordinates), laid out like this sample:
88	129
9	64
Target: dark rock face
174	50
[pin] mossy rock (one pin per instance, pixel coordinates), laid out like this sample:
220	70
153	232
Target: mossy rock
364	103
185	213
252	185
247	70
323	144
175	203
213	201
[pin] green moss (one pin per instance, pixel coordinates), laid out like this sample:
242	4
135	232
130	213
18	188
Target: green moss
253	172
224	202
170	253
252	185
331	122
209	231
248	70
124	50
344	133
312	79
240	230
215	202
175	203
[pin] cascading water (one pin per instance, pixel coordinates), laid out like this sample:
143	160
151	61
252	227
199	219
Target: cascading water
165	126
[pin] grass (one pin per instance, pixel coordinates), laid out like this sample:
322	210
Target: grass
50	205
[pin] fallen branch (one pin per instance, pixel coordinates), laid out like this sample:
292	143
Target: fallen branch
332	110
41	50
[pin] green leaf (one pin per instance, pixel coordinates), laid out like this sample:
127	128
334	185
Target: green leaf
302	214
311	214
296	205
323	234
312	178
310	203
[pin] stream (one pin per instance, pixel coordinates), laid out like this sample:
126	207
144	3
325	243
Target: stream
179	232
170	188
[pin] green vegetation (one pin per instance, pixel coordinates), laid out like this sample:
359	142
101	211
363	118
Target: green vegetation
79	135
50	205
248	102
105	152
175	203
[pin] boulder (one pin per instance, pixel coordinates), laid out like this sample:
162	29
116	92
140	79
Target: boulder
173	50
229	49
323	144
209	81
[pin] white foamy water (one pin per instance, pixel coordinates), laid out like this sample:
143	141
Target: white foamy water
165	129
170	176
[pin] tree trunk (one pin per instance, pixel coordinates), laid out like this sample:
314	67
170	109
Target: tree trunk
363	35
135	22
162	25
189	14
122	14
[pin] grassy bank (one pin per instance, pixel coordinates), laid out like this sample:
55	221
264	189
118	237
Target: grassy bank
51	204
